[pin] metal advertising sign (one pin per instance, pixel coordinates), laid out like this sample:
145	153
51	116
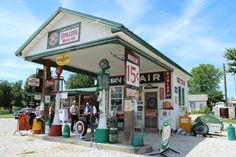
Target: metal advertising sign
132	69
132	62
63	36
33	82
63	59
165	138
161	91
180	81
151	114
168	84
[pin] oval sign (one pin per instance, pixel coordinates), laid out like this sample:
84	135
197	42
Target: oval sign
63	59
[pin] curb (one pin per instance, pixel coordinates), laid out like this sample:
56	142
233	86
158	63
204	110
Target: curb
115	147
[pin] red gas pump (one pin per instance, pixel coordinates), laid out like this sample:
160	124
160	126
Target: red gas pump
56	127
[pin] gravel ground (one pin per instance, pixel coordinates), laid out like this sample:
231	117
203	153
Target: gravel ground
28	146
16	145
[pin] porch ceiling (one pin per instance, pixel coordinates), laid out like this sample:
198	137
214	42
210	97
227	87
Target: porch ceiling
88	59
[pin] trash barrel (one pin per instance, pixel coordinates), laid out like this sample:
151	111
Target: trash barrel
37	126
113	135
66	131
231	132
113	132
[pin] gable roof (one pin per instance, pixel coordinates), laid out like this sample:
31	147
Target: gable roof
116	27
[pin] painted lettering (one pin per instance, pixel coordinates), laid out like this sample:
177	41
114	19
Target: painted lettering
156	77
142	78
133	59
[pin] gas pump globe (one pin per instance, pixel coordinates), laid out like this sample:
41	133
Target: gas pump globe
103	76
102	133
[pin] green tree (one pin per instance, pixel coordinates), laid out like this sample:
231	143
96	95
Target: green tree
79	81
215	96
5	95
230	55
205	80
17	94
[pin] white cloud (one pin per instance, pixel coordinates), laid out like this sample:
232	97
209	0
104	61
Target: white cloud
173	29
132	10
17	64
17	24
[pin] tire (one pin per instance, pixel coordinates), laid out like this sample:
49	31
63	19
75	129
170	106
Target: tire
200	128
81	128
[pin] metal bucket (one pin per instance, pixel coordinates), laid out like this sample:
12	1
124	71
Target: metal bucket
113	135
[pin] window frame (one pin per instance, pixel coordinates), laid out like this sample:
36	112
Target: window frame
112	98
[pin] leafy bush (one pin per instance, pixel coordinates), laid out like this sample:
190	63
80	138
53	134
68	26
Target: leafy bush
204	110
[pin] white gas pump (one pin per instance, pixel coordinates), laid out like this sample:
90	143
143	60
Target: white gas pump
102	132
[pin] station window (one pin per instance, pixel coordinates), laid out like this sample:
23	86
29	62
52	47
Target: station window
181	93
116	98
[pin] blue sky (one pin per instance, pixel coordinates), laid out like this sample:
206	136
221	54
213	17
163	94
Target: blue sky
190	32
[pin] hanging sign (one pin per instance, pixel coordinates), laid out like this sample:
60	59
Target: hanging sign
37	97
33	82
64	95
165	138
47	99
63	36
168	84
63	59
132	92
161	91
132	69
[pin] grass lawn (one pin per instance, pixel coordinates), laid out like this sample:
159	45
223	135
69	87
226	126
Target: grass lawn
232	121
5	114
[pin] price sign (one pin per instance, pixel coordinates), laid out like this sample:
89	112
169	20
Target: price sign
132	73
132	69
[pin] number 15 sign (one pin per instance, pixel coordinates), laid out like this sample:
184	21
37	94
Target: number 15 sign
132	69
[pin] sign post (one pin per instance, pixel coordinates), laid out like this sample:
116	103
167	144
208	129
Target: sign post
132	63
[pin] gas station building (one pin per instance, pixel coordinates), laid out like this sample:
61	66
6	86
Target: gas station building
162	84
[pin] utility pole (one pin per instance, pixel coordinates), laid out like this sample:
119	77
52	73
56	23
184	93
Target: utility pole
234	86
225	85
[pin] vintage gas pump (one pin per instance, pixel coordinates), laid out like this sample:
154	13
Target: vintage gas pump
56	127
102	132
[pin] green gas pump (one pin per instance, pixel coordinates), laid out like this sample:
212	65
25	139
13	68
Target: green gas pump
102	132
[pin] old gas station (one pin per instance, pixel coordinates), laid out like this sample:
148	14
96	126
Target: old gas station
140	83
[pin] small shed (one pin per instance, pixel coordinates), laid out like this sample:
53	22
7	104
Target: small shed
197	101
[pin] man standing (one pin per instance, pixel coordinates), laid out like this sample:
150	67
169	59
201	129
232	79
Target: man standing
74	114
